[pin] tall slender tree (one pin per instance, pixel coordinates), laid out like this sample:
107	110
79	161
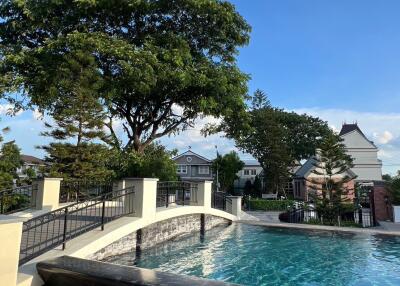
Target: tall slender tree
78	117
332	177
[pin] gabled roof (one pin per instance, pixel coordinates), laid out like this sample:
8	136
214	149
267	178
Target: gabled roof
32	160
348	128
248	163
309	166
190	153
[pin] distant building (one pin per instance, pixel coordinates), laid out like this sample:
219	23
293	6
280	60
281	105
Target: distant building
193	167
307	183
367	166
249	172
30	162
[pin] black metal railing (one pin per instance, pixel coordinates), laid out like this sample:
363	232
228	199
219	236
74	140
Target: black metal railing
55	228
219	200
81	190
18	199
357	218
176	193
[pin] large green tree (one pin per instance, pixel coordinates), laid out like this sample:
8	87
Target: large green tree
276	138
227	165
163	63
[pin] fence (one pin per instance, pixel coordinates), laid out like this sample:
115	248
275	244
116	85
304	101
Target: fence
176	193
357	218
79	191
55	228
18	199
220	201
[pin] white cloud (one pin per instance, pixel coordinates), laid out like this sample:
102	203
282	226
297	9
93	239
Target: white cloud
37	114
384	137
8	108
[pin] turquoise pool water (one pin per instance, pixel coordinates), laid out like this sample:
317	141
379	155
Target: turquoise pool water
254	255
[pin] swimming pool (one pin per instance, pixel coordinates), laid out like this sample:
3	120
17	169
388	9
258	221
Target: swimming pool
255	255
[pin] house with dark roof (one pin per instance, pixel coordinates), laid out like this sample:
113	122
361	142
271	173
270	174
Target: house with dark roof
30	162
367	166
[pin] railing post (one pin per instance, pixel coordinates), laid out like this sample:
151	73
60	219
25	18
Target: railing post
167	198
103	210
236	208
10	243
65	228
204	194
48	193
144	202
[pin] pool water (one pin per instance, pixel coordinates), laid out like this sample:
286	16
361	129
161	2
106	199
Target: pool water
255	255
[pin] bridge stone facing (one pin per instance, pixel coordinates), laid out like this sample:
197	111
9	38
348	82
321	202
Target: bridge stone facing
157	233
120	235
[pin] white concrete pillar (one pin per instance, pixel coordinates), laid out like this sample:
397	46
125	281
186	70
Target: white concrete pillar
204	194
48	193
236	207
10	242
144	200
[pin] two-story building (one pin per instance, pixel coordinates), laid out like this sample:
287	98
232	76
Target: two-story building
367	167
193	167
249	172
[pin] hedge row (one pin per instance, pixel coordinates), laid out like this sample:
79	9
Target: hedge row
269	205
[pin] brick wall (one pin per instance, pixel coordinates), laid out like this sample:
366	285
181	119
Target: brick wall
383	211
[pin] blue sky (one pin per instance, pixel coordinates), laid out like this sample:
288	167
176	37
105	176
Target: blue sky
339	60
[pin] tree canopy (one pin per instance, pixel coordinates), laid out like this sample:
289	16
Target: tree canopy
278	139
161	64
227	165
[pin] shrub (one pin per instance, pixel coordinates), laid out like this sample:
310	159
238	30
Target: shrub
270	205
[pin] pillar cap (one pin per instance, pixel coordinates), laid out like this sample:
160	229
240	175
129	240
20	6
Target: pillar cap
50	179
141	179
5	219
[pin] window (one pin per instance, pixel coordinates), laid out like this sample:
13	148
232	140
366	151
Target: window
181	169
204	170
297	189
248	172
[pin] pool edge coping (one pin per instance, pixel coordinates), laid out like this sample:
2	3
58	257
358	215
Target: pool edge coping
320	227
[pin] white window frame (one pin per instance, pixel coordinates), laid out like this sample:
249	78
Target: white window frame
253	172
204	170
181	169
246	172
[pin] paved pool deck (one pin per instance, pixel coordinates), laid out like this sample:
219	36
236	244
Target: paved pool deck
270	219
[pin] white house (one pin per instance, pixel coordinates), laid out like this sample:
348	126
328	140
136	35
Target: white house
249	172
367	166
